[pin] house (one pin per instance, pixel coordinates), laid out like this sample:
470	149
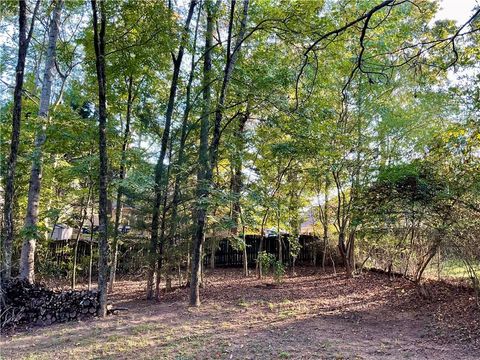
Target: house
61	232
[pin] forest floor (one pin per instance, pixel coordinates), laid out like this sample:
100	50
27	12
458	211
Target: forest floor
308	316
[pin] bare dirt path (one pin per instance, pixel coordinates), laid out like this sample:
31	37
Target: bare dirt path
309	316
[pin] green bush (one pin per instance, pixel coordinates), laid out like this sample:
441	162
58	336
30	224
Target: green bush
270	263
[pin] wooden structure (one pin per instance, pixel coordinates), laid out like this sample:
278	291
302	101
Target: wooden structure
227	256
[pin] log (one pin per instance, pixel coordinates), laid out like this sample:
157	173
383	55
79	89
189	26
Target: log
25	303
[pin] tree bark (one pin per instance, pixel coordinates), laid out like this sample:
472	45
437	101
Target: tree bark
99	44
90	263
202	187
261	243
227	75
159	169
323	215
279	239
212	254
237	183
205	174
123	169
346	250
178	169
162	229
75	251
27	258
245	254
8	224
265	216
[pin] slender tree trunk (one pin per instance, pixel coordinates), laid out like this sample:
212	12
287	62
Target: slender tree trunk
179	275
202	272
351	251
261	244
27	258
159	170
346	251
205	174
99	44
237	182
90	264
8	226
212	254
342	248
178	171
202	187
162	230
231	60
123	169
75	251
189	264
265	216
279	239
325	222
422	266
245	254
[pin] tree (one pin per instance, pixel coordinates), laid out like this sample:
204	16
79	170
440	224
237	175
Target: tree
119	205
159	169
203	168
24	38
27	261
99	45
205	173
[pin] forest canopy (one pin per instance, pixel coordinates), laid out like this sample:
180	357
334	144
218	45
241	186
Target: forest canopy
158	130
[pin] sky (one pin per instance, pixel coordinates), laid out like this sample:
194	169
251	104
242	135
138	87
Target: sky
459	10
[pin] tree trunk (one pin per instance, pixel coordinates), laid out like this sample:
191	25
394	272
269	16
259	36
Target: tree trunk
346	252
202	187
260	245
212	254
159	169
202	272
279	239
351	251
205	174
178	170
75	251
237	183
422	266
342	248
162	230
99	44
123	169
227	74
8	224
90	264
245	255
265	216
179	275
27	258
325	222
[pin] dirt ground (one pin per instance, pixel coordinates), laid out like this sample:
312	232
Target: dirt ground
308	316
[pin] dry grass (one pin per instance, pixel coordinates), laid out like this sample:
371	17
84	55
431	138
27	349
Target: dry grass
321	316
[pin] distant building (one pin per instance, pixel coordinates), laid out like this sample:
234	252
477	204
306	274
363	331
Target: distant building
62	232
308	226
